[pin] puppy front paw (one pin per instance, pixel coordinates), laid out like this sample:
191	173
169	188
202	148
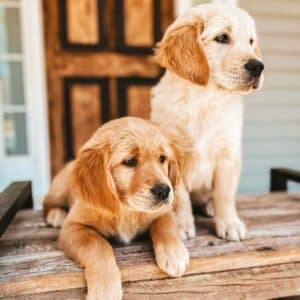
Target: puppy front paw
232	229
209	208
172	257
56	217
186	227
108	286
115	294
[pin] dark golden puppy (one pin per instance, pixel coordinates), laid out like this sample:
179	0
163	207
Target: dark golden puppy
123	182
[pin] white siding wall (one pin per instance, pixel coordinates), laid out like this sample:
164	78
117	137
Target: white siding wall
272	116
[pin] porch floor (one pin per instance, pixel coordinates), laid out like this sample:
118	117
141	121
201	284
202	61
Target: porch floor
266	265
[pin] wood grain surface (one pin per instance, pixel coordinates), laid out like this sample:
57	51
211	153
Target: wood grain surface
266	265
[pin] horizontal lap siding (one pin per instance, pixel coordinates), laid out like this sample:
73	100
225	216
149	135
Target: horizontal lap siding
272	116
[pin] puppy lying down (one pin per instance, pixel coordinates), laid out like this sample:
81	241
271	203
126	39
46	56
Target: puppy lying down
121	183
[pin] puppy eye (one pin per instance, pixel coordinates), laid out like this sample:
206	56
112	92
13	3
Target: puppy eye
222	38
162	159
251	41
131	163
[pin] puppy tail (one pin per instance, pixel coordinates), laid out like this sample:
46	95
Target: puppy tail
58	199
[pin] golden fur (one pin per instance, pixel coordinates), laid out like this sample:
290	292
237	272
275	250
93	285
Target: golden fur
197	102
109	198
180	53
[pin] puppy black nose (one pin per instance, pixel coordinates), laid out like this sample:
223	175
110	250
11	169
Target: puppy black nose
160	191
254	67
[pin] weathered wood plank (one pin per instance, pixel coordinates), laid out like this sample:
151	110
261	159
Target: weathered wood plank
267	210
28	217
18	273
21	240
16	247
70	294
14	197
264	266
17	233
254	283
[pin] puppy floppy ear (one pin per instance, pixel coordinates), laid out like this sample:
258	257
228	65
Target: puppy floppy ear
92	180
181	52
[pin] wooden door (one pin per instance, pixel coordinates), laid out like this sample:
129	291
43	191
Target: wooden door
99	65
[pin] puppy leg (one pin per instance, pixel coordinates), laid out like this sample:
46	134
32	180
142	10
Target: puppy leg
96	256
170	253
56	217
53	206
202	201
228	224
58	199
184	213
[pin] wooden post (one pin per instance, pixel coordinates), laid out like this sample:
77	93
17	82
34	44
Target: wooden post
17	195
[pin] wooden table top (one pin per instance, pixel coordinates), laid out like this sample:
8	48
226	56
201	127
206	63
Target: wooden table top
266	265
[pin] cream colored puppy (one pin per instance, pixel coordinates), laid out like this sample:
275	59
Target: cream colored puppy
211	55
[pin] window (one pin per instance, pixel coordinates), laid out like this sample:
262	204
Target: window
13	107
24	149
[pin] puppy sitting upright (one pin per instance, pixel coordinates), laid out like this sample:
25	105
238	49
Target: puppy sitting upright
123	182
211	55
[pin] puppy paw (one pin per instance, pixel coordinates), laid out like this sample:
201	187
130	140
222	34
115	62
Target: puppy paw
115	294
209	209
186	228
232	230
106	287
56	217
172	257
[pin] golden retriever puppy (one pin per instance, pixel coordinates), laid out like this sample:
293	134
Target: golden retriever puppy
122	183
212	56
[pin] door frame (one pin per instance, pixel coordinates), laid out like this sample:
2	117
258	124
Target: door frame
34	71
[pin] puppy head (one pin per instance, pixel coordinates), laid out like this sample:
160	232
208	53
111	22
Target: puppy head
127	162
213	44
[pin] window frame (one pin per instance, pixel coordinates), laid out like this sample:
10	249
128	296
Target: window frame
35	102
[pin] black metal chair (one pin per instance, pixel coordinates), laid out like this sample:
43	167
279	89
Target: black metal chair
279	178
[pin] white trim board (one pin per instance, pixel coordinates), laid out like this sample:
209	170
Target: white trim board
34	69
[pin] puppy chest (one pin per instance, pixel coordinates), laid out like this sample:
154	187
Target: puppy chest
211	144
201	173
130	226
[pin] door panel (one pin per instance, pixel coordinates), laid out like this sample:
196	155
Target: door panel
82	20
86	112
138	13
138	101
139	24
134	96
99	65
81	24
86	108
